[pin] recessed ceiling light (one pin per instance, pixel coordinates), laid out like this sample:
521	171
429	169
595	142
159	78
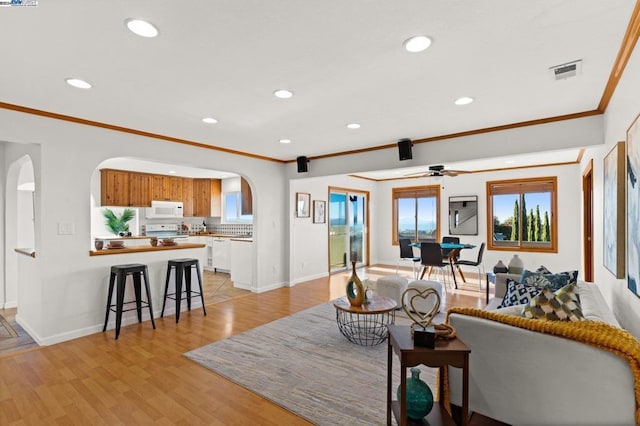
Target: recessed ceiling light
141	28
509	162
285	140
417	44
209	120
465	100
283	93
353	126
76	82
172	172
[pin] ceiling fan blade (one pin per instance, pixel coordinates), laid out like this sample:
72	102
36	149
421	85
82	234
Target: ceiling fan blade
454	173
423	173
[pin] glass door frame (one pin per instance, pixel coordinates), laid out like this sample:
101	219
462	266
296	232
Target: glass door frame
365	238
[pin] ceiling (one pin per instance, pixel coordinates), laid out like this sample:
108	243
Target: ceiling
344	61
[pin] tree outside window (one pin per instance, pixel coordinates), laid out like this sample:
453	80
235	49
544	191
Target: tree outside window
523	214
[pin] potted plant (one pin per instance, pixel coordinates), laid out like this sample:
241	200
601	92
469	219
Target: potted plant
118	225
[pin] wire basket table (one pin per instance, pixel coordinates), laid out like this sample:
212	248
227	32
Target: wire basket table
365	325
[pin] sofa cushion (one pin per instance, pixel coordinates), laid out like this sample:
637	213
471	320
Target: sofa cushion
518	293
561	305
553	281
594	307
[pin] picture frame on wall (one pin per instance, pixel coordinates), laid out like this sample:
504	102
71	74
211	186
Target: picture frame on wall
633	206
319	211
303	204
613	228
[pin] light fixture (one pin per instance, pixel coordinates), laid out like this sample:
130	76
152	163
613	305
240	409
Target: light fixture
76	82
283	93
464	100
209	120
285	140
141	28
172	172
417	44
353	126
509	162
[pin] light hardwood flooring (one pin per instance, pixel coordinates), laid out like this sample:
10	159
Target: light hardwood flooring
142	378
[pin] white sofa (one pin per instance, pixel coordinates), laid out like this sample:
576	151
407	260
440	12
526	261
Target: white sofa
523	377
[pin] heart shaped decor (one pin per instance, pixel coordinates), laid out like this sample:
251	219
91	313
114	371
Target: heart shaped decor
423	319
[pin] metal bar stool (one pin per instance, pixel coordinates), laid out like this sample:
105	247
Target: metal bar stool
182	268
118	278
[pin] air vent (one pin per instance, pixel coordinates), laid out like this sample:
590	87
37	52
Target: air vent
564	71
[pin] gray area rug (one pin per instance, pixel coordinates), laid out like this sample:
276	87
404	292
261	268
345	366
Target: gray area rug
305	365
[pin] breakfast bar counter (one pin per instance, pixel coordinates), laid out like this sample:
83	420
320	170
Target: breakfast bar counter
139	249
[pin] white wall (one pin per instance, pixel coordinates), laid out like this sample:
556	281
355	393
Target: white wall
623	109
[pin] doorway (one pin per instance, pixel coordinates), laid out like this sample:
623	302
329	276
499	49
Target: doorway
348	217
587	220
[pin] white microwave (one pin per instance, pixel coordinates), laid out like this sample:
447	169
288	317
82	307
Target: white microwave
164	209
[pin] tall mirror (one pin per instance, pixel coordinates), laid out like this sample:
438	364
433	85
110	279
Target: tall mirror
463	215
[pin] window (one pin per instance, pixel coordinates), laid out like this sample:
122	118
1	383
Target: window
233	209
522	215
416	213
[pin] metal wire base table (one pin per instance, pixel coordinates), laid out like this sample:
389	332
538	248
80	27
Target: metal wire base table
365	325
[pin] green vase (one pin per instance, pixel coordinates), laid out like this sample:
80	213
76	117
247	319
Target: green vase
419	396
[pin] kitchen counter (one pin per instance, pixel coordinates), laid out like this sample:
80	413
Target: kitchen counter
140	249
214	234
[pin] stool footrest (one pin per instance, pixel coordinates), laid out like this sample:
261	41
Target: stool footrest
143	304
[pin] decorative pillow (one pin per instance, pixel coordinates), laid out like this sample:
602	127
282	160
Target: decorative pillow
559	306
573	275
543	270
518	293
553	281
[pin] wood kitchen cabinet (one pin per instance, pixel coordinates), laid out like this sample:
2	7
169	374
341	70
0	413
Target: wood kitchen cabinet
187	197
206	197
166	188
114	188
247	199
139	189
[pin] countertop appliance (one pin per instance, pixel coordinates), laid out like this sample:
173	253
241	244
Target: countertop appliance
164	210
166	230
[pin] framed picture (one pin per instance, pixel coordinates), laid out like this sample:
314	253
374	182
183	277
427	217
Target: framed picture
319	211
633	206
614	213
303	204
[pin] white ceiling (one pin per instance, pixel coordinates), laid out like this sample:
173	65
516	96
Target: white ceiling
343	60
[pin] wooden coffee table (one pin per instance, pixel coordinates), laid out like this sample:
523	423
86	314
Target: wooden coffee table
367	324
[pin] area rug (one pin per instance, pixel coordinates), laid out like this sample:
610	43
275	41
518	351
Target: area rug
305	365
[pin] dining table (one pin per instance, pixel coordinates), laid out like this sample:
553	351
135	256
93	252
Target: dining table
453	251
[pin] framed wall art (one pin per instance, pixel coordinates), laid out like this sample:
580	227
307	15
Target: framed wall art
633	206
613	228
303	204
319	211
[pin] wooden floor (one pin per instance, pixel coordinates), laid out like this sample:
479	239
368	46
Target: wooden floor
142	378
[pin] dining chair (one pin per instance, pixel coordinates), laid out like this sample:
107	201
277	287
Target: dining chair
431	257
475	263
406	254
446	252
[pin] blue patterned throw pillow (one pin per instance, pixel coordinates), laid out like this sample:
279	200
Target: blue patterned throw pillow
572	275
518	293
553	281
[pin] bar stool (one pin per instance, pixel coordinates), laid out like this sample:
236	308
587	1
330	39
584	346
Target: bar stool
182	268
119	278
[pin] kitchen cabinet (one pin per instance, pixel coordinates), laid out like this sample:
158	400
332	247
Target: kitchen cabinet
206	197
114	188
139	189
166	188
241	264
187	197
247	199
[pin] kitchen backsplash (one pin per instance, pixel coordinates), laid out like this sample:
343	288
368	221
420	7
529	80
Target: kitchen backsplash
226	228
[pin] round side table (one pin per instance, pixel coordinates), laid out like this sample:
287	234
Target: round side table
365	325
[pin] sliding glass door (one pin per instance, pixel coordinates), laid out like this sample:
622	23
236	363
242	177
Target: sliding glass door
348	222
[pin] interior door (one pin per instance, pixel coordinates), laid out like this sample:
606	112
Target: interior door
348	217
587	221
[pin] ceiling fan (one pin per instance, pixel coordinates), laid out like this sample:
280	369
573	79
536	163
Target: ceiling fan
439	171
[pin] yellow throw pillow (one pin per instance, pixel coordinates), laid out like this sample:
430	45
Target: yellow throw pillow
563	305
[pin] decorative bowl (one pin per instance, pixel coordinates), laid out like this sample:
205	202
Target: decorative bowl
115	244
